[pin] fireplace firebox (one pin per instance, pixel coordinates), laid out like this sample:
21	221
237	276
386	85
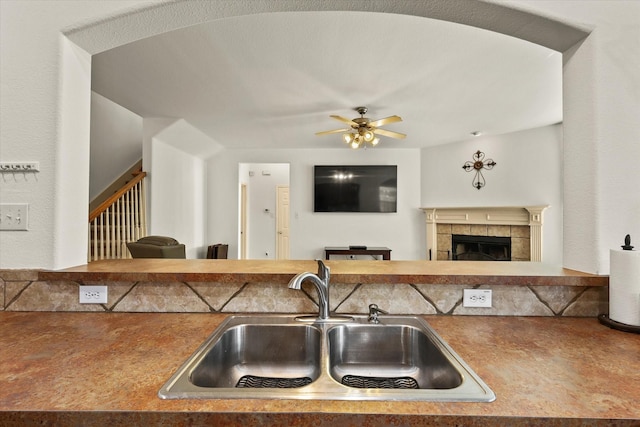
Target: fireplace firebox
480	248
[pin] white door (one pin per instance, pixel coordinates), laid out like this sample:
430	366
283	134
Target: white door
282	222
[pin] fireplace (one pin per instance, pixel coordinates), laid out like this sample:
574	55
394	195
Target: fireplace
522	225
480	248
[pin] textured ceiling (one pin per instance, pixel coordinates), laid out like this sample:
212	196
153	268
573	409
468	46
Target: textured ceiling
272	80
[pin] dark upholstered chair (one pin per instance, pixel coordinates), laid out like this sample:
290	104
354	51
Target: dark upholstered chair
217	251
156	247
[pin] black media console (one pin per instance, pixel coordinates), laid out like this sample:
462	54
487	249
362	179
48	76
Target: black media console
357	250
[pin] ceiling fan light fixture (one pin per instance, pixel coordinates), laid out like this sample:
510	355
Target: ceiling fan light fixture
362	131
368	135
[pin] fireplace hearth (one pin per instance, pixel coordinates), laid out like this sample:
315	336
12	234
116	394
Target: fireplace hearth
480	248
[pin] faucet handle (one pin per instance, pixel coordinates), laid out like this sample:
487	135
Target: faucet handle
323	271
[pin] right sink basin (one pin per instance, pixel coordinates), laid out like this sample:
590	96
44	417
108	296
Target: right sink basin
389	357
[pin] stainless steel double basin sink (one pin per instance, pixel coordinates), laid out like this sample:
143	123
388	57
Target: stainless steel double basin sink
288	357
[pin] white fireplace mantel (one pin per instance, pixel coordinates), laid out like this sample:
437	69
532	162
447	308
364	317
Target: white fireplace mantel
509	215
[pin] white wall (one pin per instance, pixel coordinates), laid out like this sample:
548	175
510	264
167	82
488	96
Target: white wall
528	173
177	197
44	116
403	231
173	153
176	189
601	102
116	143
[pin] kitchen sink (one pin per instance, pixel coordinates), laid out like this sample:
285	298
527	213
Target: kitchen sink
287	357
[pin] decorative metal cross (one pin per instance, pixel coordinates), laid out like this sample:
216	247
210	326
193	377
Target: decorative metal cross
478	164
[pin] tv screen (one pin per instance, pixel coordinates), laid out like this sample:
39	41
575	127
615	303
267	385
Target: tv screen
368	188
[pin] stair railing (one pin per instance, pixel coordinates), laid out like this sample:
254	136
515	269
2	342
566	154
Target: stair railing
118	220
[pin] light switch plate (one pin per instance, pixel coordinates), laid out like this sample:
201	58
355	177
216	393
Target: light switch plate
14	216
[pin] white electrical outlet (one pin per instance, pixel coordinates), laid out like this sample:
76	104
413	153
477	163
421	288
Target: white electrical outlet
14	216
93	294
476	298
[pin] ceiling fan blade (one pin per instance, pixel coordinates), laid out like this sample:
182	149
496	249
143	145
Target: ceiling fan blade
327	132
386	120
342	119
389	133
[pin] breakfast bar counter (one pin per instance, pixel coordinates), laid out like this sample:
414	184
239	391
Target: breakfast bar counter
342	271
90	369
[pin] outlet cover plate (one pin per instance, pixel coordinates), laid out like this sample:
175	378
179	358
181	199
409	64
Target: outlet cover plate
476	298
93	294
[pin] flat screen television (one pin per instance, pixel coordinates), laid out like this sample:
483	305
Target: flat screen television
361	188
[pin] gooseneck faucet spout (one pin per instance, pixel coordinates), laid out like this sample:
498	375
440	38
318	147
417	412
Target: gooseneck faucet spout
321	282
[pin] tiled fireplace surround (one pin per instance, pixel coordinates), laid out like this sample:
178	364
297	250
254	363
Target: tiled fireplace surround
519	234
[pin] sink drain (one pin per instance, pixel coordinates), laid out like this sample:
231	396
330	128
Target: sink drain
377	382
252	381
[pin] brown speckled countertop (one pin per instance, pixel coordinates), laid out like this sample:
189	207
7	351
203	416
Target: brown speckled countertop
106	369
342	271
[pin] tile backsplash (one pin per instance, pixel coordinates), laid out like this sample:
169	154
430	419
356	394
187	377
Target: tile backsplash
20	290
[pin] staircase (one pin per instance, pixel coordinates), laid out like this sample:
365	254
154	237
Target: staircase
121	218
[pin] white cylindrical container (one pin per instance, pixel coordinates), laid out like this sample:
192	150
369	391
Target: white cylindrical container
624	287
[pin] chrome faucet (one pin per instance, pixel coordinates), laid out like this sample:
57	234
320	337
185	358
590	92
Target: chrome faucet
321	282
373	313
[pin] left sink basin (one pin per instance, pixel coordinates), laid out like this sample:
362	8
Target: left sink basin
268	353
260	356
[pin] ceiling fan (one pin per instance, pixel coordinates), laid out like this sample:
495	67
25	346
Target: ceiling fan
363	130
